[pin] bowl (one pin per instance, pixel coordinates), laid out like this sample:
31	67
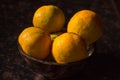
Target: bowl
52	70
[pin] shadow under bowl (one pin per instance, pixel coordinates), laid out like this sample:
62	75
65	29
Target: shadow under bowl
53	70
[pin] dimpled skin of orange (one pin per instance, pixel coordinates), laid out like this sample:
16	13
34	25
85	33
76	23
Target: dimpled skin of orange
35	42
87	24
68	47
49	17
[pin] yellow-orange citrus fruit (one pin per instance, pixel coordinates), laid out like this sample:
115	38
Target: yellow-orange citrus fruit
69	47
87	24
35	42
49	17
54	35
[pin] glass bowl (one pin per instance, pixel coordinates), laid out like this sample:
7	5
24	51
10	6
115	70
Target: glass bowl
53	70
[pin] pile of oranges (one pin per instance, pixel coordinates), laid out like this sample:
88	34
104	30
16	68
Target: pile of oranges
46	36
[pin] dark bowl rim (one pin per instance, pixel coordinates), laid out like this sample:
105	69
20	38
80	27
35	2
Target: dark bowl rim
47	62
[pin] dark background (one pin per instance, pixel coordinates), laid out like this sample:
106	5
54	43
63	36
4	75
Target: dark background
15	15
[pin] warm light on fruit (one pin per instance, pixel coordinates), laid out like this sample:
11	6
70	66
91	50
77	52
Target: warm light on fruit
69	47
35	42
87	24
49	17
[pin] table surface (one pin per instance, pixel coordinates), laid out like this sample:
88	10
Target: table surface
15	15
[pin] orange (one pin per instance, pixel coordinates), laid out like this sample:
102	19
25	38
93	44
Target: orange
69	47
35	42
87	24
49	17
